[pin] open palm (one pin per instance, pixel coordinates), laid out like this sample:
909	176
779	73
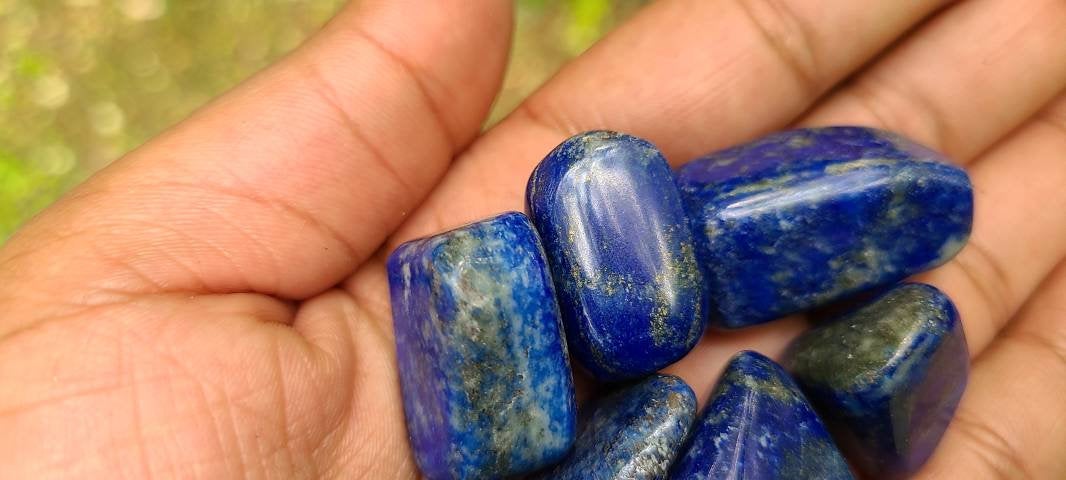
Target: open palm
215	304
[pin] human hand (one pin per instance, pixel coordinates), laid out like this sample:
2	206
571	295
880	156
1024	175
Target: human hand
215	304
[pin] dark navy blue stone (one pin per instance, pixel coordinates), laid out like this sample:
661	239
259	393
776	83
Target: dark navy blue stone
806	217
486	382
887	376
758	425
634	433
610	215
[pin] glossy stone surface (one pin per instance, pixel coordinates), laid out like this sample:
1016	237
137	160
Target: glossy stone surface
487	388
610	216
758	425
634	433
887	376
805	217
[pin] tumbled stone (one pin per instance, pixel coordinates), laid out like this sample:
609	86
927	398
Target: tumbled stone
487	388
805	217
610	215
758	425
634	433
887	376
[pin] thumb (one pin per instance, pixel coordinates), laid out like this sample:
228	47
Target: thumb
284	185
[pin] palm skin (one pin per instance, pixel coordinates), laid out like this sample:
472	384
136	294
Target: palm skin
215	304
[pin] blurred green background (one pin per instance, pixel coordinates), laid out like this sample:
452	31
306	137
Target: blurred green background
84	81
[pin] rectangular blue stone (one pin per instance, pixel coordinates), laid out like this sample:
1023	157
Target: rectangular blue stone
484	369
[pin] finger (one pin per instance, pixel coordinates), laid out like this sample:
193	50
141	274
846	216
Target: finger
690	75
959	84
1010	423
287	183
1019	232
963	80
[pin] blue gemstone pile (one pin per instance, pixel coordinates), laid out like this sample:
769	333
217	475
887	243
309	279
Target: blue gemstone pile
623	264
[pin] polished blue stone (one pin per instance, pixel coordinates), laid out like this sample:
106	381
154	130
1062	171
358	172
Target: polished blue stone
634	433
630	290
758	425
487	388
887	376
805	217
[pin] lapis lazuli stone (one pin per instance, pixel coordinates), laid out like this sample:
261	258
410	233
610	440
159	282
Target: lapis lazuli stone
486	382
758	425
610	215
887	376
806	217
634	433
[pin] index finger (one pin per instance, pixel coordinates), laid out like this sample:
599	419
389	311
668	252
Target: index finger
689	75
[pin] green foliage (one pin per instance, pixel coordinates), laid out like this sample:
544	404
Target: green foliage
587	24
25	190
84	81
